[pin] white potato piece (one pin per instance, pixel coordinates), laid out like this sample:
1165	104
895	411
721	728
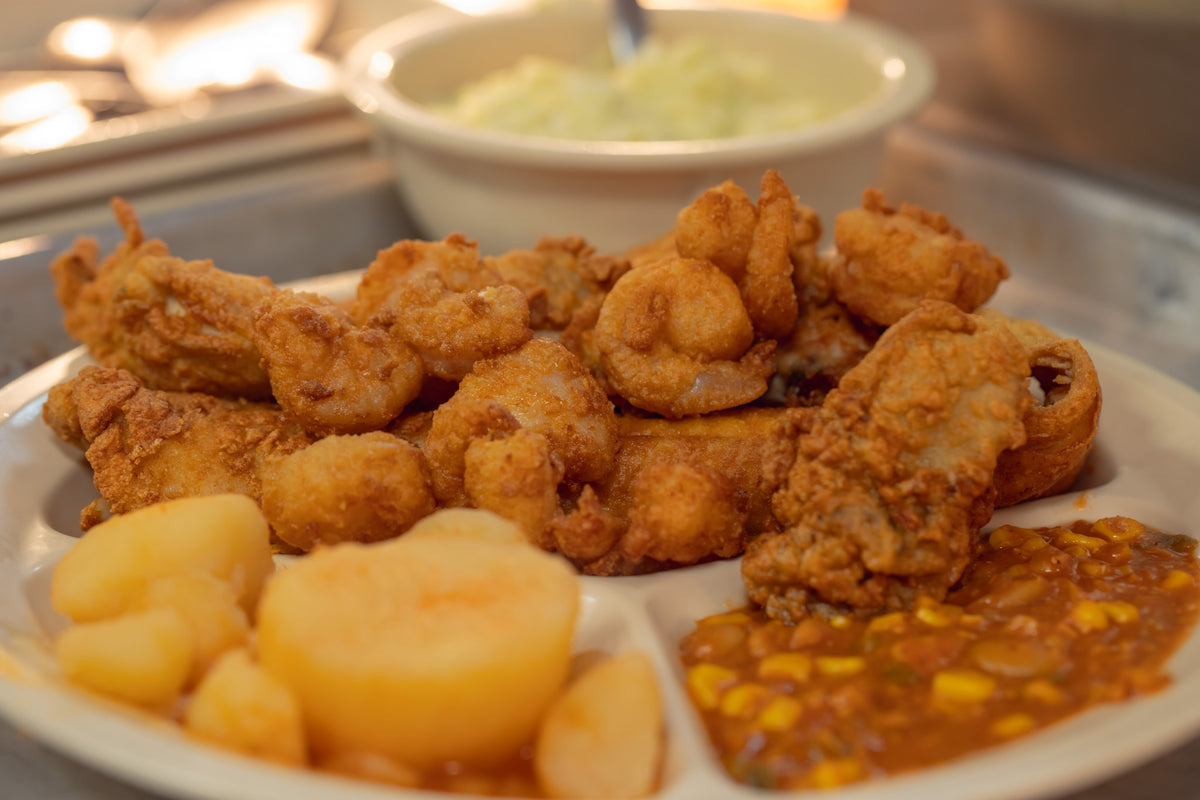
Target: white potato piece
242	707
210	608
107	572
603	736
422	650
143	657
468	523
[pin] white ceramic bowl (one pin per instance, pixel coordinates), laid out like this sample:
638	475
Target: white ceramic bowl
506	190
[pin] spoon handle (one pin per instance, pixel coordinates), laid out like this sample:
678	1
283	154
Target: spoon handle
627	29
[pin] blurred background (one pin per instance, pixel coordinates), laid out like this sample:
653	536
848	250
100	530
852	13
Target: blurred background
1062	134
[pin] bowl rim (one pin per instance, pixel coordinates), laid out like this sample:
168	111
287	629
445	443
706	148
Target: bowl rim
371	94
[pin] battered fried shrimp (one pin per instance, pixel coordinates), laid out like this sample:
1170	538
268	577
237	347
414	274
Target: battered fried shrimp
558	276
684	513
586	534
890	260
515	475
893	473
146	446
363	488
455	423
751	244
444	302
178	325
675	339
1061	424
548	391
329	374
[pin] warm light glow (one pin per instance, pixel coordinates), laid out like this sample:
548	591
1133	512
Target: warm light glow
893	69
233	44
15	248
306	71
476	7
817	9
380	65
86	38
35	101
50	132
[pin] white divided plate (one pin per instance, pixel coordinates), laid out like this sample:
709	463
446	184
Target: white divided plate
1146	464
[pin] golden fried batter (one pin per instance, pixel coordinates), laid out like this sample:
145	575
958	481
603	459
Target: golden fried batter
146	446
889	260
893	473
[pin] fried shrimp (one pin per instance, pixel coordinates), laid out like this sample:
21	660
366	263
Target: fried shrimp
450	433
177	325
558	276
674	338
362	488
889	260
443	301
515	475
547	390
751	244
329	374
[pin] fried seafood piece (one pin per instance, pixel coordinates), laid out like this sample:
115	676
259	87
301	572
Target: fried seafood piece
674	338
146	446
441	299
558	276
331	375
657	249
178	325
1061	424
515	474
751	243
893	473
360	488
680	492
827	342
889	260
541	386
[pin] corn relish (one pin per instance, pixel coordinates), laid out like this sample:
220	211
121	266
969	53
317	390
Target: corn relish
1046	623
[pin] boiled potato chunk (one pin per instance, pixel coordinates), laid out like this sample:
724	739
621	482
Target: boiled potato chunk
242	707
422	650
108	571
468	523
142	657
602	737
210	608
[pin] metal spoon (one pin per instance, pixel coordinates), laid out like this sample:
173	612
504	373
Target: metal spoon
626	29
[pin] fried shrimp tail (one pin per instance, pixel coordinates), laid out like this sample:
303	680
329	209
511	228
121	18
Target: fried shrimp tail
674	338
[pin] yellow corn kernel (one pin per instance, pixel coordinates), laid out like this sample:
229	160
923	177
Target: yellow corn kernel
936	617
1120	611
1177	579
705	682
836	772
743	701
963	686
1118	529
1007	536
732	618
1042	691
970	620
1077	550
1070	538
780	714
1033	544
840	665
1094	569
1012	725
887	622
1087	616
794	666
840	622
